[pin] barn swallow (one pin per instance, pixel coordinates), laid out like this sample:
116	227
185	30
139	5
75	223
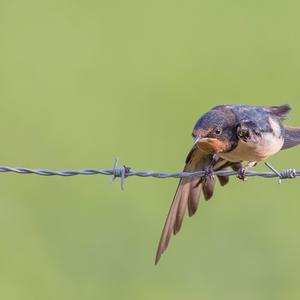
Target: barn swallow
225	137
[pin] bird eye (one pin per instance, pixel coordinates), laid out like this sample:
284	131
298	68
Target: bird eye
218	131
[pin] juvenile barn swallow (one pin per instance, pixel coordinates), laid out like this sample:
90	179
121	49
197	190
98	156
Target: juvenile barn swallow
224	137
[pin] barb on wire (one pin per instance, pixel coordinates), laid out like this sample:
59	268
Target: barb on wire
284	174
119	172
124	172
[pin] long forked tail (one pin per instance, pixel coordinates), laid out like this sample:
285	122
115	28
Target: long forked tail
188	194
291	137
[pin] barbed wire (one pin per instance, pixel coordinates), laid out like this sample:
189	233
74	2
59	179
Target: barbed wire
123	172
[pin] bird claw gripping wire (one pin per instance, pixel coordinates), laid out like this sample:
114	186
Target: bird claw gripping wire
284	174
121	172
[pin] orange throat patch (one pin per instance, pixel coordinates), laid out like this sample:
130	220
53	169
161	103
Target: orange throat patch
211	145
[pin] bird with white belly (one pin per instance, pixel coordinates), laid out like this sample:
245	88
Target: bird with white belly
225	137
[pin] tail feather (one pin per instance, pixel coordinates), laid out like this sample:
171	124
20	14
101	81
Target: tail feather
188	194
223	180
194	198
291	137
169	224
208	187
186	188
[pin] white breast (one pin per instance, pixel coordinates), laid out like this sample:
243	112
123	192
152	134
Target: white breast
261	149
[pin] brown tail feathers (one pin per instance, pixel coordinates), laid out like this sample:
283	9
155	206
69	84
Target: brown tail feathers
188	194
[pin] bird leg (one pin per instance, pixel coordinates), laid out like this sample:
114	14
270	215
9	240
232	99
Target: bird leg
241	173
209	170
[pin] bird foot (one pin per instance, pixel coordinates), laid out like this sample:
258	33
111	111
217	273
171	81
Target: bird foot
241	174
209	171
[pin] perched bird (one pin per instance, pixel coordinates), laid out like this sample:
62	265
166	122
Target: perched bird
224	137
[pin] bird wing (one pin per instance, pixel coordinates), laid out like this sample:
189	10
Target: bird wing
188	193
291	137
279	111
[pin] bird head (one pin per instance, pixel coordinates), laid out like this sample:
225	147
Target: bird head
215	131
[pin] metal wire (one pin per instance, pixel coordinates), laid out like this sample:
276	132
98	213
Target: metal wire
123	172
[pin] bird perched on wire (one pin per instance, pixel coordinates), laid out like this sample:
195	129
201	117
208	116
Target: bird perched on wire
224	137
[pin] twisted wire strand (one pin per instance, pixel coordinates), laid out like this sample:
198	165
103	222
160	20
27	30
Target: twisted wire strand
123	172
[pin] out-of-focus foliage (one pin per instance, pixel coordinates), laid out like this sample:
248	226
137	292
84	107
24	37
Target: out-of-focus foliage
82	82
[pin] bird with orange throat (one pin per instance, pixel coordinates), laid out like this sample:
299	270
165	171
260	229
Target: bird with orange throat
225	137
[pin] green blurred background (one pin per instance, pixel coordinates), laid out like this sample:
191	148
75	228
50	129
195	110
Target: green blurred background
83	82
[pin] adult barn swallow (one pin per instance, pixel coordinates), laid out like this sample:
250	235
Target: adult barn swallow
224	137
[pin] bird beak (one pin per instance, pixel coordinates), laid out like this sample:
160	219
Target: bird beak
200	140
